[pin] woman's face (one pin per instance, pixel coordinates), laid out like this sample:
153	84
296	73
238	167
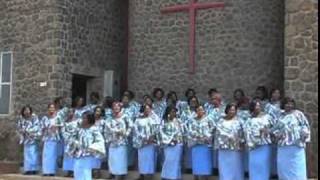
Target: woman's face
85	121
51	109
159	95
190	94
276	95
257	108
289	107
147	110
98	113
232	111
193	102
148	101
237	95
200	111
125	100
216	100
80	102
116	108
260	94
172	114
27	112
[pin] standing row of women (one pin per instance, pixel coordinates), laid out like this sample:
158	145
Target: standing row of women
184	134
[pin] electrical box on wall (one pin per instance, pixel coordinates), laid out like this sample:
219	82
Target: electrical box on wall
111	85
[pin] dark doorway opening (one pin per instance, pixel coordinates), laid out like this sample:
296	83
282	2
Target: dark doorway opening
79	87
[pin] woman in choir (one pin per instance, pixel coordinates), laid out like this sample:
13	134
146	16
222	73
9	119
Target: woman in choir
118	129
130	112
172	141
216	110
68	132
188	94
147	99
107	105
262	94
159	104
200	140
78	107
273	106
100	123
88	143
29	130
186	118
52	137
144	139
292	132
229	142
172	100
209	105
132	103
258	140
243	114
274	110
94	101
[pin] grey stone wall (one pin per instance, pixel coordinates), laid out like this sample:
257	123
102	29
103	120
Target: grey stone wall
50	40
28	30
240	46
301	66
92	40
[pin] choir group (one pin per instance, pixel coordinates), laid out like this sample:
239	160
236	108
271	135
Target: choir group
260	136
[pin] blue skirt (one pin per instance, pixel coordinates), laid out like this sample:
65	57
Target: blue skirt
172	164
31	157
49	157
68	163
245	155
274	160
215	159
260	163
147	159
291	163
230	165
201	160
187	157
118	160
60	148
96	163
131	152
83	168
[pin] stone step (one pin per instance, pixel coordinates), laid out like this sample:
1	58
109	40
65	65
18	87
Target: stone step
131	176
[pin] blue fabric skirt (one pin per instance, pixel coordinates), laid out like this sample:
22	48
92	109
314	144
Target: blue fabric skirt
83	168
274	160
68	163
31	157
60	148
291	163
118	160
49	157
147	159
230	165
215	158
172	164
96	163
260	163
187	157
131	152
245	155
201	160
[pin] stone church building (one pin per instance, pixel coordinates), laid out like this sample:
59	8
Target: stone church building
52	48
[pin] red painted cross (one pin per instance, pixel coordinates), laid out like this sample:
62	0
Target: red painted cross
192	7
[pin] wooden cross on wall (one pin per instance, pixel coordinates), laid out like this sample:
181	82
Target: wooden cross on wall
192	8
